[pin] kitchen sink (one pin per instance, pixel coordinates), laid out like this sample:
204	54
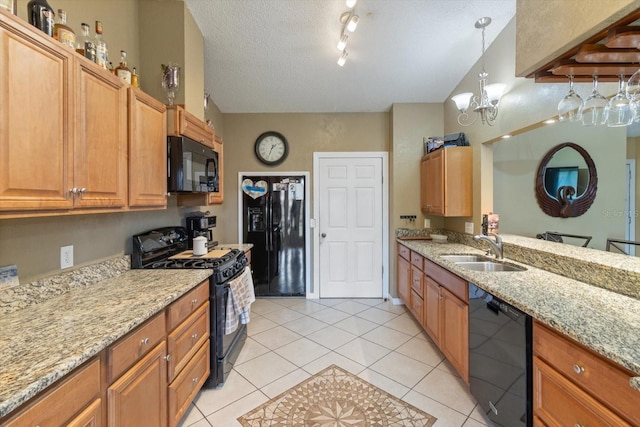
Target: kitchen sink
464	258
489	266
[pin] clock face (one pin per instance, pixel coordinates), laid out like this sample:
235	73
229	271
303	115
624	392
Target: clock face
271	148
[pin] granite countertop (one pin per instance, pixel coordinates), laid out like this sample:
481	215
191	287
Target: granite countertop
43	342
603	320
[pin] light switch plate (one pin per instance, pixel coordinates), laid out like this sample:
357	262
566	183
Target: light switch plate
468	227
427	223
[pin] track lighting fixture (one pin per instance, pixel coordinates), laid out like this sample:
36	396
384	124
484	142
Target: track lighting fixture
351	3
342	43
343	58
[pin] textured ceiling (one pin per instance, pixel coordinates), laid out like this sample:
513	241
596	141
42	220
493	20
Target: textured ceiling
279	56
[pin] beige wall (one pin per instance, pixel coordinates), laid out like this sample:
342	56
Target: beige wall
306	134
119	20
549	28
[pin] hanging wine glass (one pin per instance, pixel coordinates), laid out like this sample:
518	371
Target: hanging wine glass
620	111
633	92
171	80
593	108
569	106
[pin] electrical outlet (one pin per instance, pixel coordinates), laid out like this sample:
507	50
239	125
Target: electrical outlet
468	227
66	256
427	223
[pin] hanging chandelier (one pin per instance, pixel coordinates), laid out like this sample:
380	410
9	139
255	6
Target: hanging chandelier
485	104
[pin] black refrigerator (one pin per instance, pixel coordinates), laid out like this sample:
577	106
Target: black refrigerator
274	222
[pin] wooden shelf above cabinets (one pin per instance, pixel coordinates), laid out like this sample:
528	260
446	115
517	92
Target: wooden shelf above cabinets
608	54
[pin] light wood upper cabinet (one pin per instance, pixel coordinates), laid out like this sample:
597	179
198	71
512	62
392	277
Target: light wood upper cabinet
147	151
182	123
218	198
36	94
446	182
100	152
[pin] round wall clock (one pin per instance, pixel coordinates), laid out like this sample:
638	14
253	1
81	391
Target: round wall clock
272	148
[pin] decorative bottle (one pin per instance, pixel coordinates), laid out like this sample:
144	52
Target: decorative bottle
85	45
41	16
122	71
62	32
102	53
134	78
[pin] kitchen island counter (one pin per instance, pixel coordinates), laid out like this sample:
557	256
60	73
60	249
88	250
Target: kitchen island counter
43	342
603	320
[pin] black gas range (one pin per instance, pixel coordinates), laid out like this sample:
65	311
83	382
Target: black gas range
163	248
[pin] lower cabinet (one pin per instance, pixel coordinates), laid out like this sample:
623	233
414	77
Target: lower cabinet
139	396
74	402
439	301
573	386
403	274
149	377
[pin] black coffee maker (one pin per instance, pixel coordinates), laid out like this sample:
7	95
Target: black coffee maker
201	224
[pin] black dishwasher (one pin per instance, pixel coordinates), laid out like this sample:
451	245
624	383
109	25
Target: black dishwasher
500	359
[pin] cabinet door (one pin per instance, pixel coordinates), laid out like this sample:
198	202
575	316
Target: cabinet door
147	151
90	417
454	338
35	120
184	389
434	185
100	152
139	397
558	402
432	309
218	198
424	197
403	279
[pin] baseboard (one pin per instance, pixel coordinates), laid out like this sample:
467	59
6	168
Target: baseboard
396	301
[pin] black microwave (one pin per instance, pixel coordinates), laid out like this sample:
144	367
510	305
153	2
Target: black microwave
192	167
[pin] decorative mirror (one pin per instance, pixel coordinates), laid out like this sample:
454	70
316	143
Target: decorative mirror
566	181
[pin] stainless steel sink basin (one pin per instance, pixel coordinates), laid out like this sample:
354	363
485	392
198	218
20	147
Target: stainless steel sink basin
489	266
464	258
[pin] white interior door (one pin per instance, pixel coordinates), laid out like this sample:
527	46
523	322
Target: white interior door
350	227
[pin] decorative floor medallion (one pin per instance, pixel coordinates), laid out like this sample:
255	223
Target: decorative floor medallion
335	398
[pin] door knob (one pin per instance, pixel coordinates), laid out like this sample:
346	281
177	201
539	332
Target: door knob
323	235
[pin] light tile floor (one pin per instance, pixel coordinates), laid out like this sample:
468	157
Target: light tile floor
291	339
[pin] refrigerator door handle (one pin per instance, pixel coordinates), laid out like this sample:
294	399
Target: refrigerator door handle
268	212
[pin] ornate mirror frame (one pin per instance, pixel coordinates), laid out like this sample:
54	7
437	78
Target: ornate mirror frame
565	206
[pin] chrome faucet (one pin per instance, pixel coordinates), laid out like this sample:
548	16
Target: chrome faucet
495	246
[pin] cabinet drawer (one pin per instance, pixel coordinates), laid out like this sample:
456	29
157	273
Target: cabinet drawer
58	406
127	351
404	252
183	390
187	304
186	339
417	306
558	402
607	381
194	128
416	281
416	259
456	285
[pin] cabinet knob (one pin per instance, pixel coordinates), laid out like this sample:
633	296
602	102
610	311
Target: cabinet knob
195	301
578	425
194	337
195	380
578	369
144	341
83	190
167	357
202	141
323	235
73	190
